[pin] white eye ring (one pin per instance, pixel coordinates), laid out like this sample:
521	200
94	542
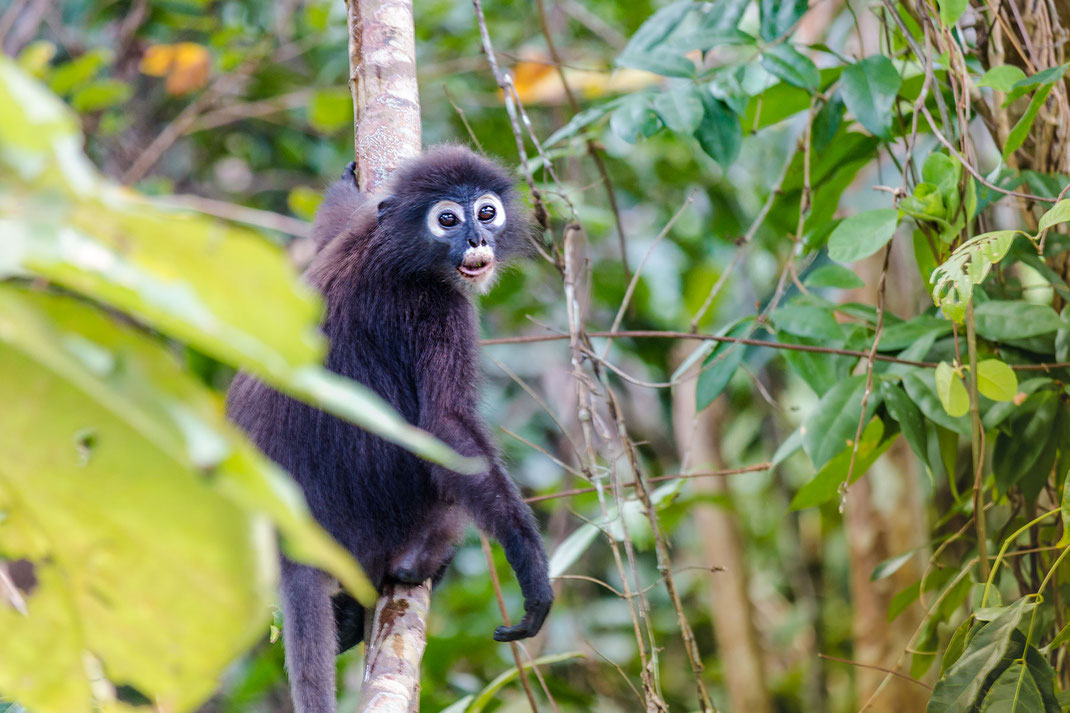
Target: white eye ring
493	201
438	209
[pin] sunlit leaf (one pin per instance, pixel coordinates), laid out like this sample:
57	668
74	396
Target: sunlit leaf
996	380
862	234
951	390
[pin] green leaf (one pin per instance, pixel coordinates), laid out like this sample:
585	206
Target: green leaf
827	123
959	688
950	389
921	388
902	335
486	696
102	479
807	321
779	16
826	483
890	566
330	110
634	118
303	202
925	203
1014	691
581	121
909	418
862	234
951	11
820	371
1058	213
70	75
785	62
833	423
680	108
1018	450
720	365
719	134
1064	508
869	88
999	412
1001	78
1017	135
220	289
1010	319
100	95
996	380
834	276
1046	77
969	265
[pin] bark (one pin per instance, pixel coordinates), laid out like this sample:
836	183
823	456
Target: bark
698	439
393	649
382	78
386	108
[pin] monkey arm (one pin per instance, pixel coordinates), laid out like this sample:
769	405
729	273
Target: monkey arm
491	498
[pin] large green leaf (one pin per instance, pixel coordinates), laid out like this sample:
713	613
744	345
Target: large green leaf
787	63
826	483
833	423
719	133
779	16
862	234
220	289
959	687
1012	319
869	88
1014	691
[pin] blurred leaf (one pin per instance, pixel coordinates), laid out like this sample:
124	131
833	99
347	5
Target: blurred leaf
634	118
72	74
834	276
303	202
869	88
720	365
827	122
862	234
779	16
187	65
486	696
1017	135
680	107
1009	319
951	11
1001	78
1058	213
785	62
1018	450
921	388
330	110
996	380
806	321
890	566
832	424
100	95
950	389
719	134
909	418
825	485
218	288
902	335
1045	77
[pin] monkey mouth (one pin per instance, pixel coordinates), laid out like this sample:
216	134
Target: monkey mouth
474	270
477	264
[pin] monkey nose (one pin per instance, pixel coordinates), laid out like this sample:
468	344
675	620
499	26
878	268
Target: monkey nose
475	242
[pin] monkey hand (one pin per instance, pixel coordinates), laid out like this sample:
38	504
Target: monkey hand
351	172
534	615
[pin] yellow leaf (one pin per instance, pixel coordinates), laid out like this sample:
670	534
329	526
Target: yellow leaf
186	65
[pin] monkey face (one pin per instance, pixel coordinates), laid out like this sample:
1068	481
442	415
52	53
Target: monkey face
469	229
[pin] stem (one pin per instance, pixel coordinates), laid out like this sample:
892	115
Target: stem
976	447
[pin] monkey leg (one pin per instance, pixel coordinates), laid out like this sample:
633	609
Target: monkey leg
309	635
348	620
428	552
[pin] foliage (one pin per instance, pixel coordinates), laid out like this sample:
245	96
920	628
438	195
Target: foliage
778	131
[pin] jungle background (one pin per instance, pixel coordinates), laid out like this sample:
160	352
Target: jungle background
832	238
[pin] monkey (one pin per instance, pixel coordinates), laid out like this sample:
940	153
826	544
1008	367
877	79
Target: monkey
397	272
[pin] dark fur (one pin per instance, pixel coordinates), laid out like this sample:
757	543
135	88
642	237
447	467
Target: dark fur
399	320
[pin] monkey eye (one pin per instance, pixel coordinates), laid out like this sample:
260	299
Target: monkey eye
447	219
487	213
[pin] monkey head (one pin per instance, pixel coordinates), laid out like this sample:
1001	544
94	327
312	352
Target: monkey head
454	214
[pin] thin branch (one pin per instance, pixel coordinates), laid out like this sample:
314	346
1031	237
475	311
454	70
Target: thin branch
756	468
239	214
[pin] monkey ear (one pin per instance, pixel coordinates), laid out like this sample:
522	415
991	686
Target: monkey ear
385	205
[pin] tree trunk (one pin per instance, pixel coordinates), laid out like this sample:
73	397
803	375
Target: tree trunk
386	109
698	438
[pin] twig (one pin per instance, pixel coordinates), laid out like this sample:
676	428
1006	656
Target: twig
875	668
505	620
757	468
